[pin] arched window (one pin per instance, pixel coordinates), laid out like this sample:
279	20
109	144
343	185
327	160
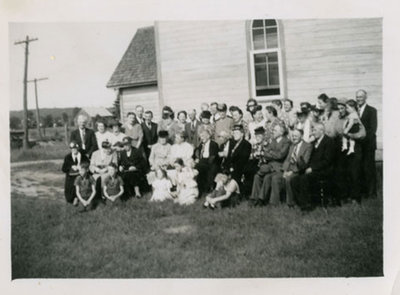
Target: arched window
265	59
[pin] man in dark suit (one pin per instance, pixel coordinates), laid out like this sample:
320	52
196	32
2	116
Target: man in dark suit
238	155
84	137
305	186
295	163
149	132
368	116
191	128
274	155
206	158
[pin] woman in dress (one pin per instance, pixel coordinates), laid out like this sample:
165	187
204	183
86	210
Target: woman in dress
70	167
169	124
181	148
99	164
116	136
258	121
102	134
134	130
182	120
186	185
161	187
160	152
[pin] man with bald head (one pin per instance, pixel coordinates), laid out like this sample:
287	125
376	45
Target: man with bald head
305	187
368	116
85	137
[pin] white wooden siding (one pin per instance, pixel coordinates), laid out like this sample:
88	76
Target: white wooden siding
146	96
203	61
335	56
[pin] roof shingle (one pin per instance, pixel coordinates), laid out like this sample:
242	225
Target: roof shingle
138	66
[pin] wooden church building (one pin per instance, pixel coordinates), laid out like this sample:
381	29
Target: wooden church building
185	63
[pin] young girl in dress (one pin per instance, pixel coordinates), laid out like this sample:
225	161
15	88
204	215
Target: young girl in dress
186	191
161	187
351	126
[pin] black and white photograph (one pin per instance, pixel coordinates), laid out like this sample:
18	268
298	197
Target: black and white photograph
248	148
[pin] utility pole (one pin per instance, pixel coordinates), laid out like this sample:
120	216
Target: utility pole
25	121
37	105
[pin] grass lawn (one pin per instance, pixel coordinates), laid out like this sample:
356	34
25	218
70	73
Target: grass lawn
138	239
53	150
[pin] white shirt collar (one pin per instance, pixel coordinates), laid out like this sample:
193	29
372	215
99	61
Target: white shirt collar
362	108
319	140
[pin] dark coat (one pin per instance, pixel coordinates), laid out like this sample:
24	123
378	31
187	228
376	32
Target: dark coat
237	159
370	121
90	141
276	152
192	135
135	159
321	160
149	135
303	158
213	152
70	175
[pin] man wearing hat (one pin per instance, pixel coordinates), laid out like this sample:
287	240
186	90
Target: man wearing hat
239	154
133	168
274	156
84	137
224	122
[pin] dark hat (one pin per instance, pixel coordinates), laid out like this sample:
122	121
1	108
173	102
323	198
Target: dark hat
115	123
221	107
315	108
127	140
259	130
106	144
168	110
206	114
342	101
302	112
305	106
163	134
238	127
118	144
73	145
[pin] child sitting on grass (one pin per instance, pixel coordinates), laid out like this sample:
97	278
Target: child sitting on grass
85	186
225	194
113	184
161	187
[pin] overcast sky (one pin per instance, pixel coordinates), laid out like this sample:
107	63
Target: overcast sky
78	59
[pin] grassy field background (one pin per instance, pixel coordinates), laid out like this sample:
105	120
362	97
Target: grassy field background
138	239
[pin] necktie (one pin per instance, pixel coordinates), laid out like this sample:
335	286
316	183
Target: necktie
293	158
202	150
83	139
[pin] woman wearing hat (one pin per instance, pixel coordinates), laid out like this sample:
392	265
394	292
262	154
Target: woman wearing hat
205	124
70	167
160	152
258	121
99	163
133	167
116	135
169	124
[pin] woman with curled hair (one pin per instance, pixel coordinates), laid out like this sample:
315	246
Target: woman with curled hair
168	123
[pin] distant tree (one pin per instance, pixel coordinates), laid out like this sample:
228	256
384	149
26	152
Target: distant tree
31	120
15	123
65	118
48	120
116	108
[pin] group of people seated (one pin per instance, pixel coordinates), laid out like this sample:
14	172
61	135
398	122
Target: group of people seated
318	154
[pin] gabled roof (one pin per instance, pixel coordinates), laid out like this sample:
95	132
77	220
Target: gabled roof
138	66
94	111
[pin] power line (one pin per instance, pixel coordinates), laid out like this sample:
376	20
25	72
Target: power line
37	104
25	95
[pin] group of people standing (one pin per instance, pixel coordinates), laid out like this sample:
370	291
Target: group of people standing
267	155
